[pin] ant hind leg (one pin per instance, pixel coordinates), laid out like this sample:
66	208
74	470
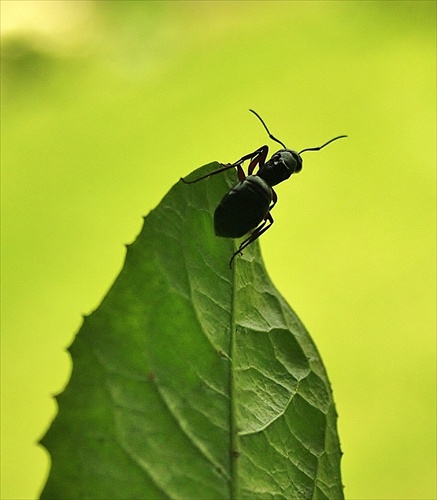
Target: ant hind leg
262	228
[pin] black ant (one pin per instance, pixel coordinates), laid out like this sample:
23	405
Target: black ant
246	206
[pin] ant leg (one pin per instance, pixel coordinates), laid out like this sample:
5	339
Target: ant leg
262	151
240	172
257	156
259	159
262	228
274	199
218	171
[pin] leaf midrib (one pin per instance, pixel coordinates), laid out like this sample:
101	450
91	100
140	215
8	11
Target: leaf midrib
234	442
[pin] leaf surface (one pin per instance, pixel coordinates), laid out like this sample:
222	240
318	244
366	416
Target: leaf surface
192	380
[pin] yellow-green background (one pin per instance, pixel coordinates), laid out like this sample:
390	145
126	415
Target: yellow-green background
105	105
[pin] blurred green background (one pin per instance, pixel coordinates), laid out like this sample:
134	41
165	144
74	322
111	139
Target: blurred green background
106	104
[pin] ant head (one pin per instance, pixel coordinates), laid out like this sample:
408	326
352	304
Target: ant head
280	166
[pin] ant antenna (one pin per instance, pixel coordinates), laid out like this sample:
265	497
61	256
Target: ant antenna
320	147
270	135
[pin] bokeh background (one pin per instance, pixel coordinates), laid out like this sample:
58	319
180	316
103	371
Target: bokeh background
106	104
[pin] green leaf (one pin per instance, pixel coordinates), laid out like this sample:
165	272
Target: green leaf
192	380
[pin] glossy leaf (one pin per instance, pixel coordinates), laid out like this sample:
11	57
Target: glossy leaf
192	380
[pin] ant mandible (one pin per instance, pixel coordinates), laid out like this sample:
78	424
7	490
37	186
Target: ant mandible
246	206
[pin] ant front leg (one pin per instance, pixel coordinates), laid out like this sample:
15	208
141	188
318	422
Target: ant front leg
262	228
257	157
218	171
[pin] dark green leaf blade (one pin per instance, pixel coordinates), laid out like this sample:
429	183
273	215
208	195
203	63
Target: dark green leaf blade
191	380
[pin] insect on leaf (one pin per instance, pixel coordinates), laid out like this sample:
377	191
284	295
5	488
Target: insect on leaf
192	380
